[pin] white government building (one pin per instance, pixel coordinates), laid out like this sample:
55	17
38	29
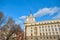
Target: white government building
44	30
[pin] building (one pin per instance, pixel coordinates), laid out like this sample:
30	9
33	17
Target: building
44	30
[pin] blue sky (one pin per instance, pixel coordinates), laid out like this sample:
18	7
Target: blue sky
41	9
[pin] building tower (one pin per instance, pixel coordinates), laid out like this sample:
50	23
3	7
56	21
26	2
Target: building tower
29	20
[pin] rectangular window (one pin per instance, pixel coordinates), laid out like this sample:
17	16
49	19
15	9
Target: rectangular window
43	34
31	37
40	37
48	26
53	33
58	25
50	37
52	29
46	29
54	25
46	33
31	34
57	33
50	33
49	29
42	26
40	34
54	37
47	37
43	30
55	29
40	30
31	30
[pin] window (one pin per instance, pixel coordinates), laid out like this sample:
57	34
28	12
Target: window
58	25
40	33
31	30
53	33
45	26
43	29
31	37
31	34
40	30
42	26
46	29
49	29
47	37
55	25
52	29
54	38
31	27
48	26
57	33
50	37
46	33
40	37
50	33
56	29
43	34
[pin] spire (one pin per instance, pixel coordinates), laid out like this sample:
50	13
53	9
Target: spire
31	13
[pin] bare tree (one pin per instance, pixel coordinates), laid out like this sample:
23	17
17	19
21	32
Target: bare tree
14	29
10	29
2	19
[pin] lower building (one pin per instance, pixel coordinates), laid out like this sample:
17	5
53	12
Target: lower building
44	30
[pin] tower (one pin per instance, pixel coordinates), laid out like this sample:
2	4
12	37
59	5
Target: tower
30	18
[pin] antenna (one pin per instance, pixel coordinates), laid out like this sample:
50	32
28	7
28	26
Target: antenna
31	13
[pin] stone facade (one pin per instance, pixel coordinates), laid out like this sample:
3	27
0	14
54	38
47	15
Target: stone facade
44	30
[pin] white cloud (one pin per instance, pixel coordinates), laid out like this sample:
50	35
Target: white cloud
57	16
22	17
20	20
45	11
